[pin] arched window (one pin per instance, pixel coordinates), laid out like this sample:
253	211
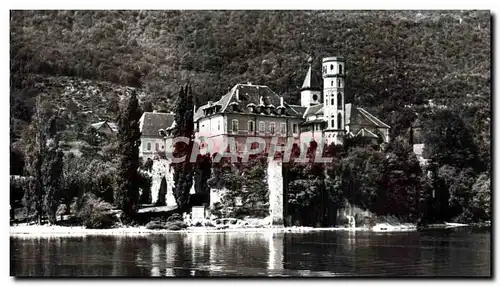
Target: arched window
149	146
339	121
251	126
234	124
332	123
332	82
338	82
333	99
340	69
339	101
331	67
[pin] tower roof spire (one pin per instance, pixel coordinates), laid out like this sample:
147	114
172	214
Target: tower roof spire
311	81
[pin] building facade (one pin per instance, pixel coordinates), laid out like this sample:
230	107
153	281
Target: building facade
249	110
152	141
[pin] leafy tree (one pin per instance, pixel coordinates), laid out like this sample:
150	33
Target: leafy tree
93	142
76	181
481	201
402	185
127	194
16	161
245	184
450	141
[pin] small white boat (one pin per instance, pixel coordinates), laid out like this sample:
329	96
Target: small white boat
451	224
384	227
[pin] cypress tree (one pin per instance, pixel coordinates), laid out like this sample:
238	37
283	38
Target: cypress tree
52	169
183	171
127	195
44	164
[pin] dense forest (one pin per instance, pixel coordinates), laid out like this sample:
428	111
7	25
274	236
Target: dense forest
394	58
431	67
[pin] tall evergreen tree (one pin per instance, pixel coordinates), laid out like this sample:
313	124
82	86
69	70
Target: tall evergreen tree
44	163
35	146
127	195
52	170
183	171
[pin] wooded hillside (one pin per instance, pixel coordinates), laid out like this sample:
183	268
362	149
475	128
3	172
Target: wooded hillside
394	58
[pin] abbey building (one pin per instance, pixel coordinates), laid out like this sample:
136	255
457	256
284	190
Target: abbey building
323	115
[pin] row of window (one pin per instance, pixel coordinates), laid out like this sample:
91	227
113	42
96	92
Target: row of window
271	127
332	67
339	101
339	121
157	146
339	83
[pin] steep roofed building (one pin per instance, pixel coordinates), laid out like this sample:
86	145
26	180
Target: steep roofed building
249	110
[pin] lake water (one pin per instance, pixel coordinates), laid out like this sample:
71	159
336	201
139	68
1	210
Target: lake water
452	252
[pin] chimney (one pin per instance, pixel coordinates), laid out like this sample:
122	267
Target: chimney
249	83
155	111
281	101
237	94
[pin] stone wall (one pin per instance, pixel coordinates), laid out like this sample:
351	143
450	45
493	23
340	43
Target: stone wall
161	168
275	183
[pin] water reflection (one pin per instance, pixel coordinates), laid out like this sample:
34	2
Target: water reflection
436	253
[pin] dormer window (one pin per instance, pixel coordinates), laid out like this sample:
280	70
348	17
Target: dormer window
251	107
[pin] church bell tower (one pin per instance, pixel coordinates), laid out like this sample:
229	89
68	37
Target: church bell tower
333	99
310	93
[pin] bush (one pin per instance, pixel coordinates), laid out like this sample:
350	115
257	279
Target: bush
95	213
174	227
155	225
100	221
174	217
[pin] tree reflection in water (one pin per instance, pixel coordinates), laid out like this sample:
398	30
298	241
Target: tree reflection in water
248	254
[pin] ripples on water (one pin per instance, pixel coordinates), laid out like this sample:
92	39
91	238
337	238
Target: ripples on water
456	252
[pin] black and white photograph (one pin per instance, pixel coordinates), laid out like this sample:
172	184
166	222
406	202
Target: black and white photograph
250	143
